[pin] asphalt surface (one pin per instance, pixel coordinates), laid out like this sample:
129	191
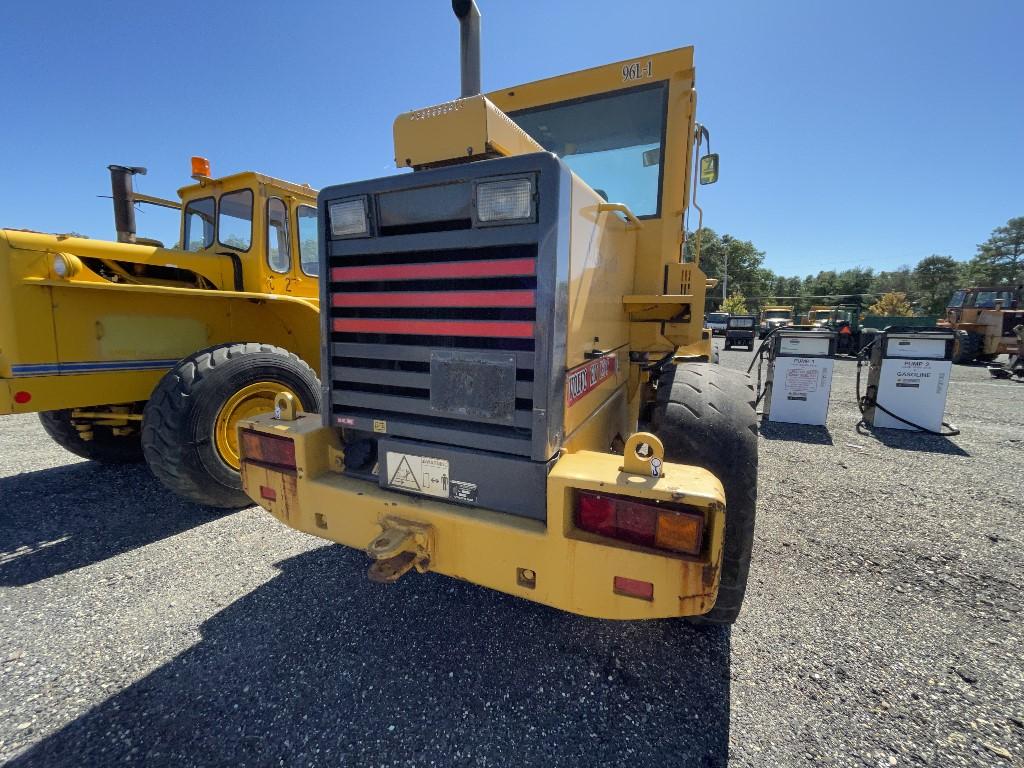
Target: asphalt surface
882	625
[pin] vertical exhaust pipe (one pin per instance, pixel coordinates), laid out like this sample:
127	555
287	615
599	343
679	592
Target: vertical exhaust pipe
123	193
469	38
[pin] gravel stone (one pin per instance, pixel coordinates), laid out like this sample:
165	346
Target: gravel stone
882	625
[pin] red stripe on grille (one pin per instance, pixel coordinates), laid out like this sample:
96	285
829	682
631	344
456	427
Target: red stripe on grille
436	299
488	328
491	268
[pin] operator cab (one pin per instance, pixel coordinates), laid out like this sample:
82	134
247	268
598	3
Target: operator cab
267	225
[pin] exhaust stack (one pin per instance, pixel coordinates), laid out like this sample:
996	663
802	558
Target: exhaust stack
124	200
469	38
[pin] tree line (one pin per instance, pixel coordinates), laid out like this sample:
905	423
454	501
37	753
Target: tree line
927	285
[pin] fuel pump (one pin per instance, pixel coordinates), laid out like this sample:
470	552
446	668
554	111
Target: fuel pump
799	379
908	378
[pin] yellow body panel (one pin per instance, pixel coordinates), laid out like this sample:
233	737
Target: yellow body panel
122	314
465	128
574	569
601	268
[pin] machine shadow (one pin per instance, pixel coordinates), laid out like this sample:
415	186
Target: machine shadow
320	667
799	433
908	440
57	520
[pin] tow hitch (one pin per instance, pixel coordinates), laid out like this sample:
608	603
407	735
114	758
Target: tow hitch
400	547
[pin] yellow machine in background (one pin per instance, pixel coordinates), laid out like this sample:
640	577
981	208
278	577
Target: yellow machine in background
775	316
984	319
817	315
205	332
517	386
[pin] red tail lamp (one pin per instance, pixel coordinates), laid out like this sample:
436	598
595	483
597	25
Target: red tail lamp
272	450
21	397
649	525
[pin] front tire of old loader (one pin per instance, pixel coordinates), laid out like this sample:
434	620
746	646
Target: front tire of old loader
104	447
704	415
189	425
966	347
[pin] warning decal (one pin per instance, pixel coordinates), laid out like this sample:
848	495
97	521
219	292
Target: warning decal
801	380
421	474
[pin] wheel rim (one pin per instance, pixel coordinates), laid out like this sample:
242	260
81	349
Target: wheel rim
245	403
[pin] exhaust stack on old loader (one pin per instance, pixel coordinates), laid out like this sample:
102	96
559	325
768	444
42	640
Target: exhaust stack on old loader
516	381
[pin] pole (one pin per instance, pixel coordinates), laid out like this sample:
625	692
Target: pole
726	239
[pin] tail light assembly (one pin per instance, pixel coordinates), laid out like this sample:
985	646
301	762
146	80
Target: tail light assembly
661	526
270	451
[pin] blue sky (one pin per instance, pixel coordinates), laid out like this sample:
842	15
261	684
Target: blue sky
857	133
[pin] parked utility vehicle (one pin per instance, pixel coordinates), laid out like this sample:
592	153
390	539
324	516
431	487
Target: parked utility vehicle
132	350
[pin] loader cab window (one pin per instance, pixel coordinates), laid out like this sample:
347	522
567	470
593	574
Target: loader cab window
957	300
306	216
234	225
987	299
199	216
613	141
279	255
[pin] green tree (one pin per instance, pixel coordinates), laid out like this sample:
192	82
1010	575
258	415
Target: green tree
935	279
745	261
896	280
1000	259
736	304
892	305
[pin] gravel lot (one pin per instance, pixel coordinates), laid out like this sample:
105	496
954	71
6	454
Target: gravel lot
882	626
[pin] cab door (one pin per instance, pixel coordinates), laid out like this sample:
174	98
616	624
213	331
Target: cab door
284	267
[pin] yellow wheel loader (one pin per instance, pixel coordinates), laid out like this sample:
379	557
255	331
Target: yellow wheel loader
130	350
984	319
517	388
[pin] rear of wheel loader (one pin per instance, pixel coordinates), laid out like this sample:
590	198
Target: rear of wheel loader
516	382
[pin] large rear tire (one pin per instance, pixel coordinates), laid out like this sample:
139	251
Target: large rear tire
966	347
704	415
104	447
188	428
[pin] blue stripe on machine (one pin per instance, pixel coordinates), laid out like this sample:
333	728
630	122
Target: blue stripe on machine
48	369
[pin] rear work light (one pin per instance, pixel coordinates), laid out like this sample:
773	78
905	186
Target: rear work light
271	450
649	525
348	218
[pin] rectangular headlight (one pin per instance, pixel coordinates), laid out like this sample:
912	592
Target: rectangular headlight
349	218
506	200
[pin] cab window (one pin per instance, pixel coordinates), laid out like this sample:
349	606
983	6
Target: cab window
234	225
614	141
957	300
279	255
306	216
199	215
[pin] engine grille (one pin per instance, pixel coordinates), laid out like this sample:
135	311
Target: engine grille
407	328
441	328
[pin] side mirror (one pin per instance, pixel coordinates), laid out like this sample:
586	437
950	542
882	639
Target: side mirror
709	169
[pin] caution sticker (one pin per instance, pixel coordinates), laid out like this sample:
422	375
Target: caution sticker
420	474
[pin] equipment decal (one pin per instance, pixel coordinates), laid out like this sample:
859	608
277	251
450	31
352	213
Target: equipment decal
421	474
582	380
463	491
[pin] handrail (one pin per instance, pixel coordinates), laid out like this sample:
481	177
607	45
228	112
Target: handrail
624	210
138	197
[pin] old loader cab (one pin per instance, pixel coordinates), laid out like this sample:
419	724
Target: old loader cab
265	226
516	386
